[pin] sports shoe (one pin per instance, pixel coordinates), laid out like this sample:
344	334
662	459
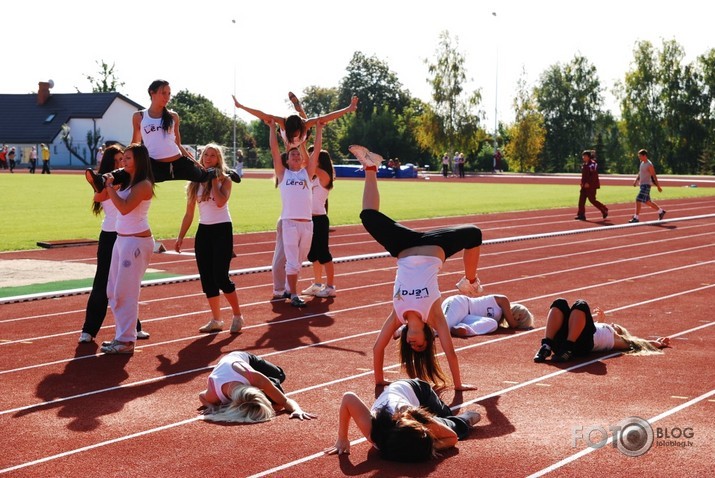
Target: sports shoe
366	158
118	348
84	338
604	214
469	289
542	354
212	326
280	295
142	334
94	179
298	302
313	289
565	356
633	220
580	218
296	104
235	177
236	324
211	173
472	418
661	214
108	342
327	291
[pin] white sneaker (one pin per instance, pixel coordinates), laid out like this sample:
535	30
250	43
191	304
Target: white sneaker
327	291
236	324
471	290
313	289
365	156
212	326
142	334
84	338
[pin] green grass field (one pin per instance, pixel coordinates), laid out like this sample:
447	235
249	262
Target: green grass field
57	207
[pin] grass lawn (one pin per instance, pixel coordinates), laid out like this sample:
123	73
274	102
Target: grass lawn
57	207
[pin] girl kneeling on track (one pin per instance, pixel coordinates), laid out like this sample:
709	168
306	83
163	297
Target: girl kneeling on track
416	296
571	332
244	388
408	422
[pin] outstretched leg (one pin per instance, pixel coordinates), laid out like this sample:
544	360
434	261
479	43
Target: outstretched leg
370	193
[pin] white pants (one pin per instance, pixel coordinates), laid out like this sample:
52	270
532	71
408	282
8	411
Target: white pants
457	312
130	259
297	236
278	268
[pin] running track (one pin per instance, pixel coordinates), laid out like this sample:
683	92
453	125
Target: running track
67	411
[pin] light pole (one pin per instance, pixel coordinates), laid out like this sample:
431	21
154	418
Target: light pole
496	83
233	21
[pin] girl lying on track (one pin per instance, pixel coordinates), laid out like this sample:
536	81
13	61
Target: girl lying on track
416	295
244	388
408	422
571	332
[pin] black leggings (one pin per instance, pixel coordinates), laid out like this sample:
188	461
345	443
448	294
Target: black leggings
431	401
584	342
395	237
319	249
274	373
181	168
213	247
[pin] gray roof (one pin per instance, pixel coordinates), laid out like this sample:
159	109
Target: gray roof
23	121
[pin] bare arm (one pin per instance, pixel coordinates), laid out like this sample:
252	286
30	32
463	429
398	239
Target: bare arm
313	159
265	117
221	190
275	151
505	306
439	323
351	407
136	127
141	191
257	379
655	178
444	437
378	350
185	223
327	118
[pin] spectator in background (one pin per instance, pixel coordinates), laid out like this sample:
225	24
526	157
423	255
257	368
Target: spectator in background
45	158
3	157
11	159
460	165
239	163
445	165
33	159
497	161
646	177
100	152
589	186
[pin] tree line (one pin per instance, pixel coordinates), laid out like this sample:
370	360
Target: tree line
667	106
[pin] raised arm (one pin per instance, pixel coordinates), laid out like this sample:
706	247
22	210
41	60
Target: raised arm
317	145
265	117
275	150
327	118
378	350
439	323
351	407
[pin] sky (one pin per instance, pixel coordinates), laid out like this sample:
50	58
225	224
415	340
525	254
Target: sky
262	49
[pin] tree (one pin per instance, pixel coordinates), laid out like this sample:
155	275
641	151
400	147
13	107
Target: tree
453	122
570	99
527	134
107	81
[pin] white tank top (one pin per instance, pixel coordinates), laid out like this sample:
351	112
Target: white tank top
416	286
603	338
320	195
109	223
396	395
137	220
290	145
209	212
160	144
296	195
223	372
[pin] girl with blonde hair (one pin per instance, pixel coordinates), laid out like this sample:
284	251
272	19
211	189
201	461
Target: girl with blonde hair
214	237
244	388
469	316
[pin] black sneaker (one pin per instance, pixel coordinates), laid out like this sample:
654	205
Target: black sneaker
542	354
604	214
633	220
565	356
211	173
298	302
234	176
661	214
94	179
580	218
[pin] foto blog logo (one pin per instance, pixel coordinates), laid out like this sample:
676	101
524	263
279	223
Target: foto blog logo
632	436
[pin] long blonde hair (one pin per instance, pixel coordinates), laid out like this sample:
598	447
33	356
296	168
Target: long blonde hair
248	405
192	188
638	345
524	318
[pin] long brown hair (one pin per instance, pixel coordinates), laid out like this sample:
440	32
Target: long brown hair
326	164
106	165
142	165
423	364
167	121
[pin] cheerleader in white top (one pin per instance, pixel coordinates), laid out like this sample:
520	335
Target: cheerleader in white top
296	199
408	422
214	238
416	295
469	316
571	332
244	388
97	302
133	248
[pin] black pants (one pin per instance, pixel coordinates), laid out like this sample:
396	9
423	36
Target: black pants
213	247
45	167
319	249
584	342
431	401
182	168
395	237
274	373
97	303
